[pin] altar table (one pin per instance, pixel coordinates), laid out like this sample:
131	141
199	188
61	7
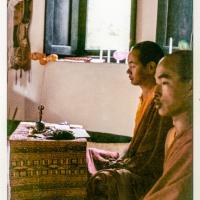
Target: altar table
46	169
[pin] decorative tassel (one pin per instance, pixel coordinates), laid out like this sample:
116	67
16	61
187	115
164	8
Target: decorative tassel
16	77
29	76
20	73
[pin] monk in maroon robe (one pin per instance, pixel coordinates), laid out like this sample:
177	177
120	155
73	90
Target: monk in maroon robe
133	174
174	98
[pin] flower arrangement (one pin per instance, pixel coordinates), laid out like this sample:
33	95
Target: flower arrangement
43	59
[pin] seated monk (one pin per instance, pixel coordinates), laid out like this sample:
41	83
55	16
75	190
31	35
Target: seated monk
174	99
134	173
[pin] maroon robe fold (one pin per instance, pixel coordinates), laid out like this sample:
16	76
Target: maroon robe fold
176	180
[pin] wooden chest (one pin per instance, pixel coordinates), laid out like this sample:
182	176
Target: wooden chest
46	169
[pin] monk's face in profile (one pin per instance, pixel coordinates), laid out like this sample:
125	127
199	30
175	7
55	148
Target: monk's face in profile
136	70
172	98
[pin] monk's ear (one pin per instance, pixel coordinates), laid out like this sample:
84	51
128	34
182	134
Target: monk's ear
151	67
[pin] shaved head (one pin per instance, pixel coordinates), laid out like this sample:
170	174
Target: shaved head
180	62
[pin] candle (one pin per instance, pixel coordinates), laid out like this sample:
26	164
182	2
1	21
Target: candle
126	61
191	40
101	54
108	56
170	45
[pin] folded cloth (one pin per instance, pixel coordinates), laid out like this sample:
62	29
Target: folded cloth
112	184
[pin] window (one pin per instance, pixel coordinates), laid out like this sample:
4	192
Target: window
174	20
82	27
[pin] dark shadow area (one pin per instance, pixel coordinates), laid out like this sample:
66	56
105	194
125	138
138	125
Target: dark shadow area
108	137
11	126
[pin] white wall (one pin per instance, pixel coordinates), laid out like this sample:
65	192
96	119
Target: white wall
146	20
99	96
15	97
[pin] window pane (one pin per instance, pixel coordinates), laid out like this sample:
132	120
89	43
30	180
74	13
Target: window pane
61	22
179	25
108	24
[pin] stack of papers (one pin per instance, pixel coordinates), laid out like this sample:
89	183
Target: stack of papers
78	130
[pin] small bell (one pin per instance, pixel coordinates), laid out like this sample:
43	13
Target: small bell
39	125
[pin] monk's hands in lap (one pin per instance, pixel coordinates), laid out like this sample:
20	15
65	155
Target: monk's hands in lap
115	164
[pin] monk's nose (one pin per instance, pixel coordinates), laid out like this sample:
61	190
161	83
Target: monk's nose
158	91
